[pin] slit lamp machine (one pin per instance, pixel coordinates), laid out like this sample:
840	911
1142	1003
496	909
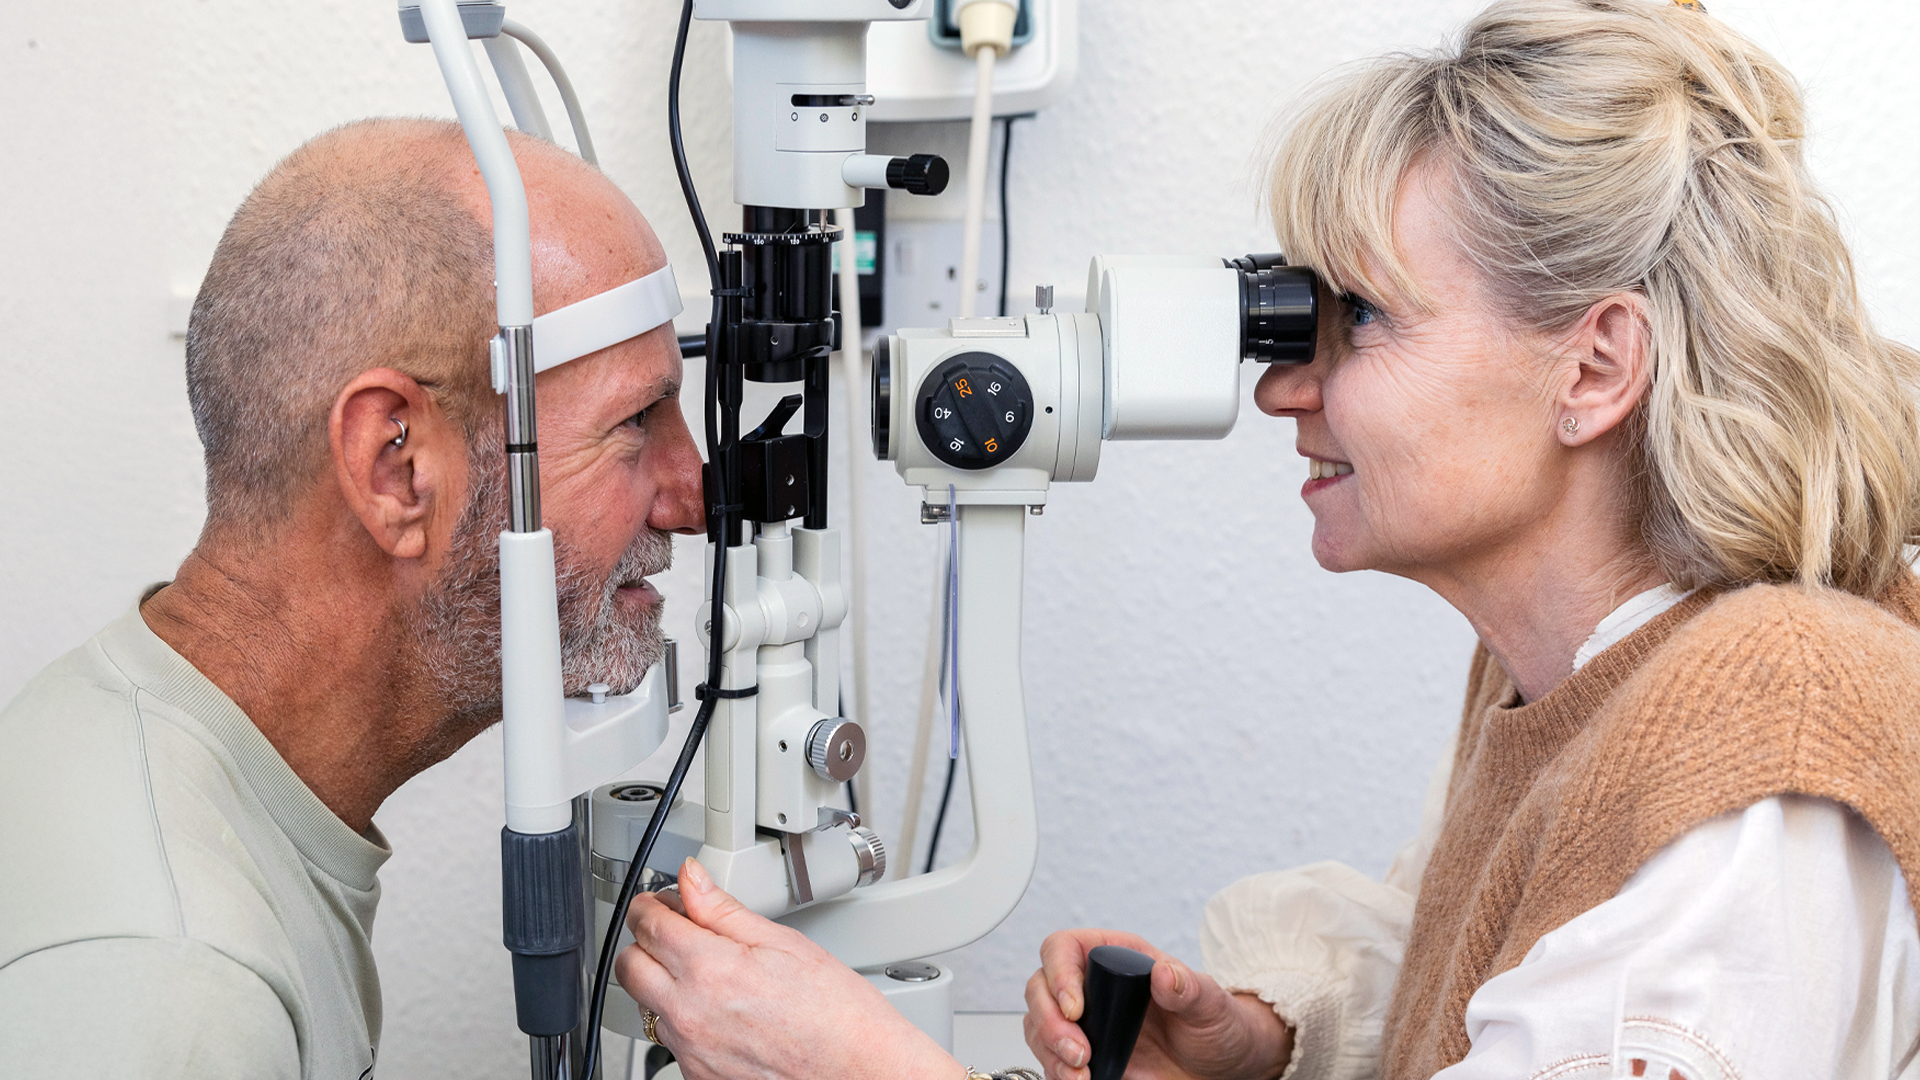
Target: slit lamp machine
983	415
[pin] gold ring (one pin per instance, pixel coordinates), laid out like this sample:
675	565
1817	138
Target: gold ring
648	1018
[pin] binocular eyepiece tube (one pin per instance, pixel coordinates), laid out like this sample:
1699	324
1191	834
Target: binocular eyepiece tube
1279	309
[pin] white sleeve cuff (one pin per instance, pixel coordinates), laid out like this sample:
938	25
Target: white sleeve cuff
1322	944
1310	1004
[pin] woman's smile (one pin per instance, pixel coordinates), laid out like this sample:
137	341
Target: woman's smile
1323	474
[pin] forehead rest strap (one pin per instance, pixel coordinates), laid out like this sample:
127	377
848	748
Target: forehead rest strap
622	312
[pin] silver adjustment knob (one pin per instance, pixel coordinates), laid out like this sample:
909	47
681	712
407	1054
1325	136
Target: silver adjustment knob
872	853
836	748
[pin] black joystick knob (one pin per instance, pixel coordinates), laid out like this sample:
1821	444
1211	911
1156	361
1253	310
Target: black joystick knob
921	174
1118	989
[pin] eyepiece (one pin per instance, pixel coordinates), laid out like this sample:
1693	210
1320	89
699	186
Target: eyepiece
920	174
1279	309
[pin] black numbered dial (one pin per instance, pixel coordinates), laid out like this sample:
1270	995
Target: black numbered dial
975	411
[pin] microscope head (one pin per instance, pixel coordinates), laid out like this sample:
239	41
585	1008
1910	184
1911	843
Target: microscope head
1009	405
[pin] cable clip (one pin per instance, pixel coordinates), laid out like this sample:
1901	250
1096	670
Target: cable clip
703	692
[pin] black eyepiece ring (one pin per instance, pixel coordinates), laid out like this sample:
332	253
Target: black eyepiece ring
1279	310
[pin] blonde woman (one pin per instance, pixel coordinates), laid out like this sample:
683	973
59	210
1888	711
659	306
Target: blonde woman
1594	370
1598	376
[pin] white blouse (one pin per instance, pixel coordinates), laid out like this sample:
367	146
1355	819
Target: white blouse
1776	943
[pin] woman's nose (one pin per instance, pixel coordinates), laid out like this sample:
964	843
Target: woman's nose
1290	389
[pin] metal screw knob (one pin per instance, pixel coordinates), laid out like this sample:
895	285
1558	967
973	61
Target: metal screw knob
1043	298
872	855
836	748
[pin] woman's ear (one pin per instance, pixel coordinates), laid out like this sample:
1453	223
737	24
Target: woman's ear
1608	369
393	454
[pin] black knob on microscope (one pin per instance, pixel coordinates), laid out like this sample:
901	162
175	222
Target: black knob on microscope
921	174
1117	992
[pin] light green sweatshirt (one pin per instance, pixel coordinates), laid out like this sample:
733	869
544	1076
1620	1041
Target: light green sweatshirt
174	901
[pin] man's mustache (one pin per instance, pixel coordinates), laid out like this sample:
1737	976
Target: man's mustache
650	553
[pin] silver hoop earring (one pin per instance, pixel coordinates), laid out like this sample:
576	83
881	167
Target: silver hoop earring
400	439
1570	426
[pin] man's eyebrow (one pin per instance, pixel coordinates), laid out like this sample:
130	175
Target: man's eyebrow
666	387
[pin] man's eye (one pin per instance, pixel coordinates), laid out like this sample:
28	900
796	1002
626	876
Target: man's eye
639	419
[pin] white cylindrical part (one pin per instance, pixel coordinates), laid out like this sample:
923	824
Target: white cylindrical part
979	139
512	248
864	171
985	24
1170	331
923	993
902	863
538	46
517	86
791	135
532	703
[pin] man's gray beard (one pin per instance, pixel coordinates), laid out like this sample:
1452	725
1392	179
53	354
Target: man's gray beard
457	623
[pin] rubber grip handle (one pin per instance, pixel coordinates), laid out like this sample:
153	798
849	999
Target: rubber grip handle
1118	988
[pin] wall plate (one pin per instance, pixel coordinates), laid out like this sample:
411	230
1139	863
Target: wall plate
912	78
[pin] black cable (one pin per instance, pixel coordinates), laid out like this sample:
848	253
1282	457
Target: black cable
940	819
1006	234
604	970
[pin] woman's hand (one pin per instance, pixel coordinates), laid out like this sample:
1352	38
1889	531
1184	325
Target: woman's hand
739	995
1193	1029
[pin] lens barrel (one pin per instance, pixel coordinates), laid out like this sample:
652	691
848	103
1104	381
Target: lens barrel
1279	310
880	419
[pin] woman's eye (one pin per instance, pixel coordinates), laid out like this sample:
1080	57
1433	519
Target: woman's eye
1361	311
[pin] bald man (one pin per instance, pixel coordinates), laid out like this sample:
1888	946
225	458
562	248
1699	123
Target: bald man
187	850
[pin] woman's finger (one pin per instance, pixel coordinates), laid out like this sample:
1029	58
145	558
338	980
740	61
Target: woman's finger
666	935
644	979
710	907
1195	998
1063	957
1063	961
1050	1035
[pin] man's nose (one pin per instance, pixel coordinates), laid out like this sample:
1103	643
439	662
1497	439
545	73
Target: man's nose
679	503
1291	389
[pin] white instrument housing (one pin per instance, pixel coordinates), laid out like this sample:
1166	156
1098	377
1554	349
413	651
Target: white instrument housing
1156	356
786	153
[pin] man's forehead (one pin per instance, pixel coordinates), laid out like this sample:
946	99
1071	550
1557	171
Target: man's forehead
587	238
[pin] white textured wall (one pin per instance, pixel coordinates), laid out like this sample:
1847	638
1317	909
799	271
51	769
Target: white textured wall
1204	701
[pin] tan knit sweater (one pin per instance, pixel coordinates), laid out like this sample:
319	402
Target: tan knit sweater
1716	704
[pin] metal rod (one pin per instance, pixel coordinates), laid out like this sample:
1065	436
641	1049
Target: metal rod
583	816
548	1054
523	449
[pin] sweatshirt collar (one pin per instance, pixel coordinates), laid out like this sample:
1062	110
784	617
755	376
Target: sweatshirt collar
319	834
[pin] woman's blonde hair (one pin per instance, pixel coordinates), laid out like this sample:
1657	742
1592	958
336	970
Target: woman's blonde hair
1603	146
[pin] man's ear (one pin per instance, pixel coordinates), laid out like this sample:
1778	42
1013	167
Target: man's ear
395	455
1609	367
